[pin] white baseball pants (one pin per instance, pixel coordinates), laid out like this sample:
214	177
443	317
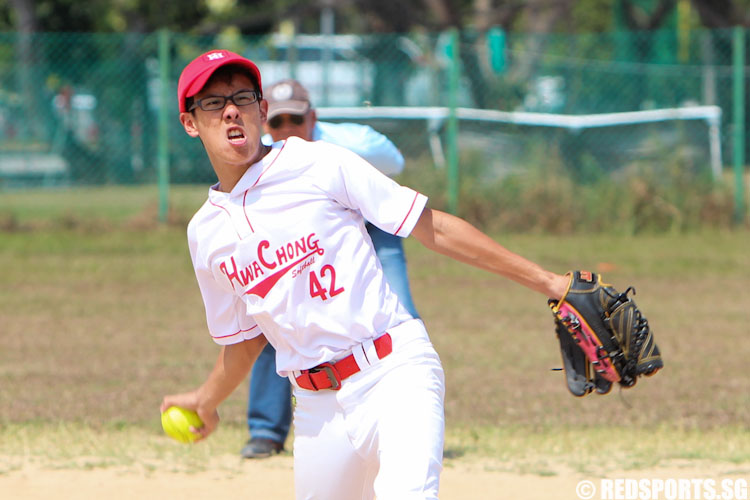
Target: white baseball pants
381	434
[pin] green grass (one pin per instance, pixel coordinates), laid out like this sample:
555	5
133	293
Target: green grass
96	208
518	449
101	317
617	445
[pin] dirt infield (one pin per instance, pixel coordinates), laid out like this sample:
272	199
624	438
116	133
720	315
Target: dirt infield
231	478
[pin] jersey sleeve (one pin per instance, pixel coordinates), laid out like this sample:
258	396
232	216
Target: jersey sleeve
364	140
357	185
226	314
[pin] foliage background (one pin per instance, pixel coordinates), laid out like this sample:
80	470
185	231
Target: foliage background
100	315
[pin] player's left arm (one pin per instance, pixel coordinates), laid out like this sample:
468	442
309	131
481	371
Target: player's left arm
232	368
456	238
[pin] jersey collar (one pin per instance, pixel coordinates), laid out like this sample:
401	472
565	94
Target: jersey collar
251	175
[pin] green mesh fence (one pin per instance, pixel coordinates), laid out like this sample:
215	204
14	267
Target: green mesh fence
84	108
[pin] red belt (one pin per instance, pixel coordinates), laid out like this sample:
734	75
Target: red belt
330	375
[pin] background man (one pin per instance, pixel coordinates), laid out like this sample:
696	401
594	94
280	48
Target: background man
290	113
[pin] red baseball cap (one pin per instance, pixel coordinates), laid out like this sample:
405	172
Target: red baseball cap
196	74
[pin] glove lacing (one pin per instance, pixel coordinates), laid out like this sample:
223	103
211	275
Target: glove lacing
639	336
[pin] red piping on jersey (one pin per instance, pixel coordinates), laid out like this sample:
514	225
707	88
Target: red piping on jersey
235	333
269	166
244	198
230	219
408	213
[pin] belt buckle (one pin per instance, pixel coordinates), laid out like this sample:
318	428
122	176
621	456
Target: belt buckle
333	375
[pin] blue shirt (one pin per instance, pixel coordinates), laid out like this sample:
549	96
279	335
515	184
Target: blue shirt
364	140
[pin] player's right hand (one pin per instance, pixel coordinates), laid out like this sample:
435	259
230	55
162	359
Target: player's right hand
190	401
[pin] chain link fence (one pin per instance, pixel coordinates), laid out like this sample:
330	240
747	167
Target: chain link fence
81	109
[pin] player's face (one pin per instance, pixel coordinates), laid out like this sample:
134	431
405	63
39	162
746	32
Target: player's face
231	135
285	125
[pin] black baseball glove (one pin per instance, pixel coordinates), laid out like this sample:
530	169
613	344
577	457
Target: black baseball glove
604	337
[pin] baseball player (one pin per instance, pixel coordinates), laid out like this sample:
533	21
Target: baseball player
281	255
290	113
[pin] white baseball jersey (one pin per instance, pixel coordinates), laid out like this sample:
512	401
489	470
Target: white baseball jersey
286	253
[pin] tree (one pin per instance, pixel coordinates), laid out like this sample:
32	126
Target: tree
26	24
723	13
637	17
104	15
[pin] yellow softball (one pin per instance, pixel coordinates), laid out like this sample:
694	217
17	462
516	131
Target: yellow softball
177	422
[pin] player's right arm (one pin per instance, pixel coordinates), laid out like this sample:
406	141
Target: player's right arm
228	324
232	368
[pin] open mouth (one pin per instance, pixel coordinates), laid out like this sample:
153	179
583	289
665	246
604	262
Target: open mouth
236	136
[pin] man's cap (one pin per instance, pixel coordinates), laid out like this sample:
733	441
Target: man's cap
287	97
196	74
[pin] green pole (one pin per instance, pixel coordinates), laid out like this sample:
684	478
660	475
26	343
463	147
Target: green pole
496	45
738	139
163	134
452	127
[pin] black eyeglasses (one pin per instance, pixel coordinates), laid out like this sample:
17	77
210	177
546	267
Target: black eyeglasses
214	102
278	120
